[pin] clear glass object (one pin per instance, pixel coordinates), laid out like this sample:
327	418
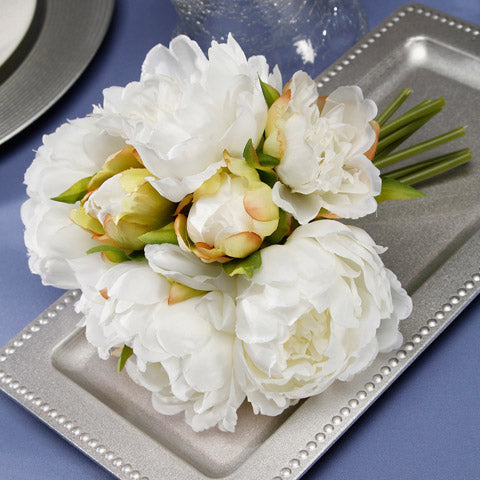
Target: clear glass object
295	34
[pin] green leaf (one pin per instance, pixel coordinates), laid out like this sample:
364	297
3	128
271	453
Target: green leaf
269	177
282	229
165	234
267	160
394	190
75	193
127	352
270	93
244	266
114	254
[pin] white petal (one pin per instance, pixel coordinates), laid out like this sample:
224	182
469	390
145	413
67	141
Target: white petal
303	207
176	189
184	267
210	368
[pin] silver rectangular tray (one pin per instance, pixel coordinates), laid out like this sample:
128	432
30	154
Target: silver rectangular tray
433	247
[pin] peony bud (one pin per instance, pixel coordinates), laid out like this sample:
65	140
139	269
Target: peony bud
231	214
127	206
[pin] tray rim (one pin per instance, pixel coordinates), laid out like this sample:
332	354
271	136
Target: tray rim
307	453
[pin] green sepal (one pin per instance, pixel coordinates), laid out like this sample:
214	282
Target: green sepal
117	255
137	256
270	93
75	193
267	175
244	266
250	155
394	190
127	352
283	228
267	160
260	144
114	254
165	234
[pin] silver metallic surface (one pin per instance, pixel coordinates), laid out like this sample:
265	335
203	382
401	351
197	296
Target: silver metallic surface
433	247
61	41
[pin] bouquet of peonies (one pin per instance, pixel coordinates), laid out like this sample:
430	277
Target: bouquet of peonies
195	210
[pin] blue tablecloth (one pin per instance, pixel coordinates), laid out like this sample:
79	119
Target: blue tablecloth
426	426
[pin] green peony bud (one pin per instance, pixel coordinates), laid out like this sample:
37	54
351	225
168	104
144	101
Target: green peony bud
127	206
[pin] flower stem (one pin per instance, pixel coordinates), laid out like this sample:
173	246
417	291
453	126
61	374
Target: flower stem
420	147
416	107
414	114
416	167
437	168
393	106
394	145
403	133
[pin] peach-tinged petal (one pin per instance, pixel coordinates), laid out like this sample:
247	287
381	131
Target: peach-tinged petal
370	153
321	102
287	86
105	240
209	187
116	163
327	214
239	167
259	205
183	204
241	244
82	219
264	229
275	142
180	227
104	293
208	253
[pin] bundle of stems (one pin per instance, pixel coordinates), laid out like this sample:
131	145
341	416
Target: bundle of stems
394	132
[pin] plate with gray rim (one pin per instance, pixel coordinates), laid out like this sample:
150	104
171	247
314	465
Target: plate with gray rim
60	42
85	401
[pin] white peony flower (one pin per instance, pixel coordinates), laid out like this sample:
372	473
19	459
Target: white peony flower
187	109
76	150
320	308
321	144
180	355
